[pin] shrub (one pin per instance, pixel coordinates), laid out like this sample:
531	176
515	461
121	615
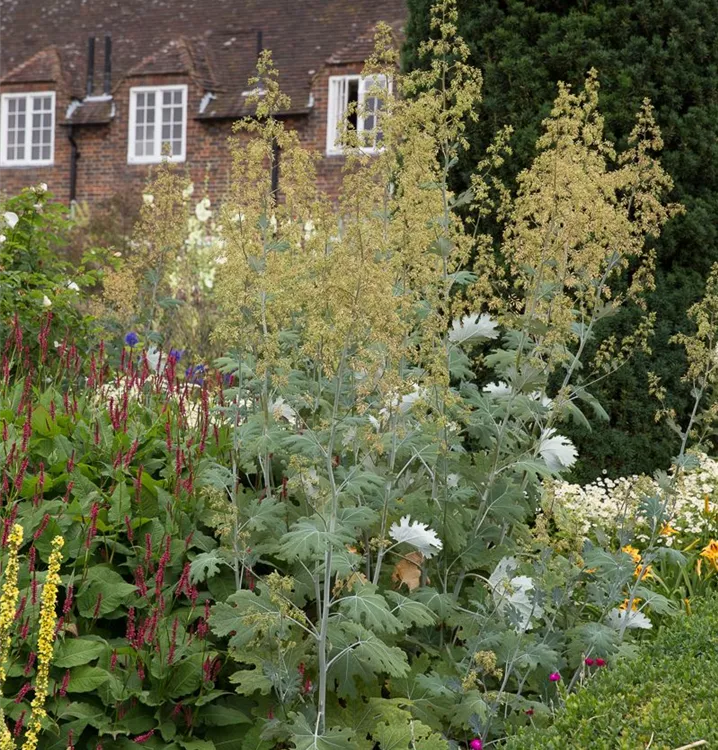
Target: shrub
35	279
664	697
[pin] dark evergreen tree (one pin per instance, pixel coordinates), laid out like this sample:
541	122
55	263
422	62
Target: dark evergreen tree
662	49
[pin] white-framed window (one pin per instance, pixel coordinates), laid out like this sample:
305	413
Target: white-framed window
158	124
363	116
27	129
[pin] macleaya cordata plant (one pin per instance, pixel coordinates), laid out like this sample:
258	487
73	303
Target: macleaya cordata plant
374	511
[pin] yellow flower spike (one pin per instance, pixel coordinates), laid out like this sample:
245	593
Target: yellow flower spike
8	605
706	504
687	602
45	641
10	593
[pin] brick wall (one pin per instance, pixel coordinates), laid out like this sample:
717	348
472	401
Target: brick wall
102	169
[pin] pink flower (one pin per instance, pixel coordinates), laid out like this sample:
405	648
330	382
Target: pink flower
590	662
476	744
600	662
554	677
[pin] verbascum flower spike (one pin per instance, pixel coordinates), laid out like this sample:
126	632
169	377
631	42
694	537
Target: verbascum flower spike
45	641
9	597
8	604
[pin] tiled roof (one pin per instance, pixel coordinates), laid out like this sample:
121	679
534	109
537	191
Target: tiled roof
215	42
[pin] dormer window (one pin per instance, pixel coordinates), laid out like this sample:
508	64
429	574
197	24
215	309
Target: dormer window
27	129
158	124
353	100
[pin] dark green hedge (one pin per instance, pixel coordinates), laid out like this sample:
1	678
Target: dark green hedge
667	694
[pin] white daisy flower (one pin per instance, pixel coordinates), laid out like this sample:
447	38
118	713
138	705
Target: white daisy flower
557	451
511	593
635	619
472	328
497	389
418	535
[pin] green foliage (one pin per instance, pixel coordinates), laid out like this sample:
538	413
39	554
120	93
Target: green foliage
663	696
666	51
35	279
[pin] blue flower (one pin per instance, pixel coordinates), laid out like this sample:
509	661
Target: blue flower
194	373
176	354
132	339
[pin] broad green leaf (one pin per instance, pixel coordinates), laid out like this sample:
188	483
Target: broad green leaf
308	539
218	715
369	608
205	565
409	611
72	652
304	736
85	679
249	681
185	677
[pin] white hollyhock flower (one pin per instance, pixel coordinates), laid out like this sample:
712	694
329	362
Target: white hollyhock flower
187	192
617	617
410	399
282	410
11	218
542	397
46	302
73	286
416	534
148	199
153	359
557	451
473	327
512	593
202	211
497	389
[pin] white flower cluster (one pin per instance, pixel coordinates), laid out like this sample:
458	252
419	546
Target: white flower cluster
607	503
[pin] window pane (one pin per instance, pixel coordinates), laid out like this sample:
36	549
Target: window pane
46	153
353	99
35	153
165	132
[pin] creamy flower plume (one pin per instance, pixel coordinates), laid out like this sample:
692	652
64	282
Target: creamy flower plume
418	535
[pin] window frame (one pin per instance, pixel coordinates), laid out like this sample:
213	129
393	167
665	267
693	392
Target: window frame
132	124
333	121
28	161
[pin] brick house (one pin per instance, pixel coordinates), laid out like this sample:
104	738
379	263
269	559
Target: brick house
92	92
